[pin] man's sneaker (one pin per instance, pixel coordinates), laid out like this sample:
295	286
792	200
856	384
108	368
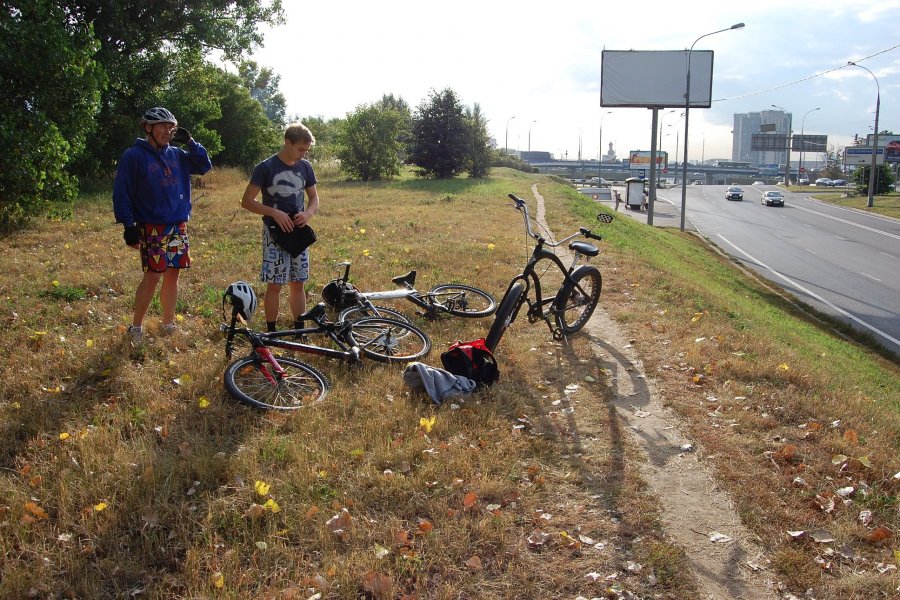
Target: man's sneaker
168	329
137	334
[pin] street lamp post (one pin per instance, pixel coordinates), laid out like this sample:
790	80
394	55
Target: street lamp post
506	141
529	134
687	106
871	202
600	158
803	143
787	156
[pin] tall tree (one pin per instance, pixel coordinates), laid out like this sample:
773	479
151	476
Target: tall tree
480	153
51	93
369	143
439	136
140	44
262	83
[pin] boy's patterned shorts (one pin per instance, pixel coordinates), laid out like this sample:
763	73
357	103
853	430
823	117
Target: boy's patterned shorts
164	247
278	266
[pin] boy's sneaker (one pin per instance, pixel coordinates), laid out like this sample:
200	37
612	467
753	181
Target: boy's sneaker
137	334
168	329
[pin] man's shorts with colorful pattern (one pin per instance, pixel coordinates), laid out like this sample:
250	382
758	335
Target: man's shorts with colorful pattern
164	247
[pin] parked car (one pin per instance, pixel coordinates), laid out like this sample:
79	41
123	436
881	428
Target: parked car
734	193
759	183
824	182
773	198
839	182
599	181
803	181
698	182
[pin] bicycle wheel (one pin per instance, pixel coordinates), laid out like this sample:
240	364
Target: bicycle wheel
355	313
387	340
505	315
247	380
575	303
463	300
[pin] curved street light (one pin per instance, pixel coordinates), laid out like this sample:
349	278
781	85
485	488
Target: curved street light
506	141
687	106
803	143
787	155
871	202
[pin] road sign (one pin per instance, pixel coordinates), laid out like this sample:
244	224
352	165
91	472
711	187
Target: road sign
860	155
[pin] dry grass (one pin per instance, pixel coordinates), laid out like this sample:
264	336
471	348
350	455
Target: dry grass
131	472
118	479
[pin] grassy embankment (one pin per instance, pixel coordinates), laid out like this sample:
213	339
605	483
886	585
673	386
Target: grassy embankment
132	470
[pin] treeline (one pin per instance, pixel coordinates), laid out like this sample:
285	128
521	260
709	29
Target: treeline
77	75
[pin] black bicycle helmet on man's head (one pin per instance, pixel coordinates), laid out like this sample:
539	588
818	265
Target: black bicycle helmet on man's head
159	114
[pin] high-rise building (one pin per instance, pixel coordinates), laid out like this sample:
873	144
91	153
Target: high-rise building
747	124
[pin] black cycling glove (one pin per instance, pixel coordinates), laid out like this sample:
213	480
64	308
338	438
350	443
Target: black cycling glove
132	235
182	136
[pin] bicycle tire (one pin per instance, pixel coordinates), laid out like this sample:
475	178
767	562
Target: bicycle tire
389	341
464	300
355	313
574	308
504	315
300	386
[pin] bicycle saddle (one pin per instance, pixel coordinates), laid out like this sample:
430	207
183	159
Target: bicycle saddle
584	248
315	312
408	280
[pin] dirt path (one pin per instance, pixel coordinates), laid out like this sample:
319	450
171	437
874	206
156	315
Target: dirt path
694	508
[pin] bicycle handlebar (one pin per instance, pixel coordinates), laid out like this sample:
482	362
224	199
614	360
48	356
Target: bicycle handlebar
523	206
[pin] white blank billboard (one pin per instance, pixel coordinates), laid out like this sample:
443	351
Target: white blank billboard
655	78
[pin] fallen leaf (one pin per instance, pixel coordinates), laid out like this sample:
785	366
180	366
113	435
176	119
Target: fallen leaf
270	504
203	402
377	584
822	536
839	459
537	538
218	580
261	487
380	551
878	534
424	526
427	423
470	499
851	438
100	506
474	563
255	511
262	546
718	538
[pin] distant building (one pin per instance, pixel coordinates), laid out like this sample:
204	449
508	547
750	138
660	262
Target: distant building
532	156
747	124
610	156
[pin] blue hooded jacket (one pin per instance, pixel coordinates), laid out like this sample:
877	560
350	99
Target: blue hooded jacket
154	186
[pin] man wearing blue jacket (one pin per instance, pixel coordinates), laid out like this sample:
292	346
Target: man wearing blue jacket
152	199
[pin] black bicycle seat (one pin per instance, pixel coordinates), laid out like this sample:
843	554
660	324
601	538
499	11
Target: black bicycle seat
408	280
584	248
317	311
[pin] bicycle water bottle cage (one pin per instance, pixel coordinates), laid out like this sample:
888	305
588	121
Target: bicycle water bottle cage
584	248
407	281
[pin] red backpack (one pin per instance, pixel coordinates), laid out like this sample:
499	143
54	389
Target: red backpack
473	360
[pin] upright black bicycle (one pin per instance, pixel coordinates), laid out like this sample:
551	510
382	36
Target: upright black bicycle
570	308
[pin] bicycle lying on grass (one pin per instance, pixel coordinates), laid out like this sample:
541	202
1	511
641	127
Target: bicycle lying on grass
454	299
264	380
571	306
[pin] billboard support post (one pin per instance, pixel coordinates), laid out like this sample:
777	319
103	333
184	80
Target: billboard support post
803	142
687	106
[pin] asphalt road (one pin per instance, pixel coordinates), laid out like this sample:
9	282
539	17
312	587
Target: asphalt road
842	262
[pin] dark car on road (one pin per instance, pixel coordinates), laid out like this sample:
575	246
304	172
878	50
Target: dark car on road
773	199
734	193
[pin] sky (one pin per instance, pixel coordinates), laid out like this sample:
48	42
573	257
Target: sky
535	67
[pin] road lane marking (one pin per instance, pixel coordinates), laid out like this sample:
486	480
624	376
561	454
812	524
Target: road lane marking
870	276
840	238
813	294
866	227
886	254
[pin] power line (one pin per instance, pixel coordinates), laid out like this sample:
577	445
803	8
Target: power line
784	85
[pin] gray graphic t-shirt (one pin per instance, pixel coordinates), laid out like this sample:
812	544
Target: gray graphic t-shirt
283	185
